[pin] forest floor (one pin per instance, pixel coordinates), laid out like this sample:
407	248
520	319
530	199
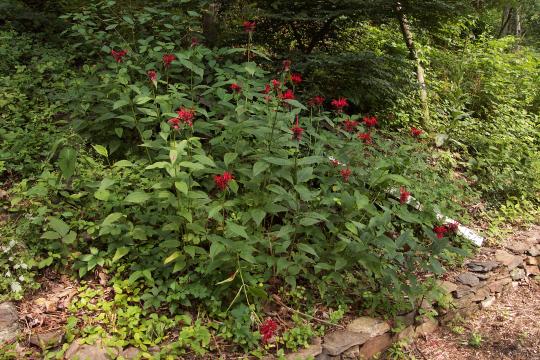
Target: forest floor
508	330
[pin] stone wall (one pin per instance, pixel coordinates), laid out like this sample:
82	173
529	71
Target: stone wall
483	280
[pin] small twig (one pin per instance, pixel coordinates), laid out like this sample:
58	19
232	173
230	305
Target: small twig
217	346
278	301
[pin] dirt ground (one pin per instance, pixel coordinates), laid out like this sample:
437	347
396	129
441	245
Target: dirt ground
508	330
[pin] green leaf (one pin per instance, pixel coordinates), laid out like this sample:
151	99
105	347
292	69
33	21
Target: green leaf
229	279
278	161
259	167
101	150
361	200
181	186
308	249
237	230
70	237
257	215
102	194
112	218
250	67
296	104
216	248
203	159
67	160
137	197
58	225
142	99
304	174
119	103
229	158
169	244
120	253
172	257
123	163
51	235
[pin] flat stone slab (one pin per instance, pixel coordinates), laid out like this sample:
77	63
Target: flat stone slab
337	342
534	250
507	259
468	278
517	274
482	266
97	351
372	327
518	247
47	340
310	352
9	322
375	346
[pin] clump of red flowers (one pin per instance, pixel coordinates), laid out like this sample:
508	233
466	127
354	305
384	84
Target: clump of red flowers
350	125
339	104
334	162
249	26
234	87
184	116
267	329
275	83
222	181
452	227
168	59
345	174
297	131
370	121
152	76
316	101
440	231
415	132
404	195
287	95
118	55
267	89
296	78
365	137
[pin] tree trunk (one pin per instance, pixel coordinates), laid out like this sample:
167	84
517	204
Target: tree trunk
420	74
210	25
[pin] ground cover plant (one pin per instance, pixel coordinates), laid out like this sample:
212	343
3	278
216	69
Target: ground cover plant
191	187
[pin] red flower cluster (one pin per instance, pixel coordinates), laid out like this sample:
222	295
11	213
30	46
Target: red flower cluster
365	137
152	75
370	121
442	230
287	95
286	65
267	329
316	101
168	59
118	55
249	26
334	162
235	88
350	125
184	116
297	131
339	104
416	132
267	89
296	78
222	181
275	83
404	195
345	174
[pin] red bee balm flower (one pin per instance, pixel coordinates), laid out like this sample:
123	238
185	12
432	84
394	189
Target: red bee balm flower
416	132
286	65
275	83
267	329
404	195
316	101
287	95
339	104
365	137
350	125
249	26
118	55
452	227
168	59
296	78
174	122
235	88
345	174
334	162
370	121
440	231
222	181
267	89
186	115
297	131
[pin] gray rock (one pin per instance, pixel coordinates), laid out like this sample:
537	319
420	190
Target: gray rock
448	286
482	266
498	285
533	260
518	247
130	353
533	270
9	322
517	274
47	340
375	346
462	291
534	250
97	351
337	342
370	326
427	327
352	353
468	278
310	352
